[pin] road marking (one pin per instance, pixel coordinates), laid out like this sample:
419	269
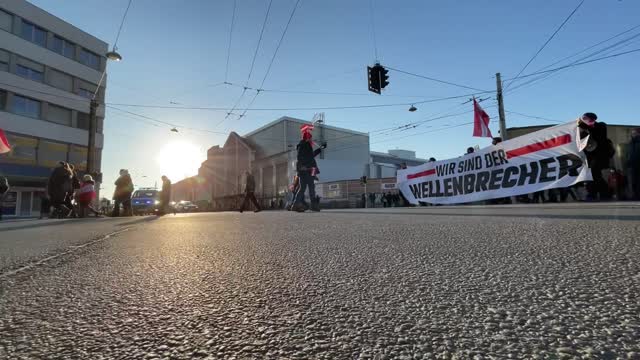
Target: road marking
72	249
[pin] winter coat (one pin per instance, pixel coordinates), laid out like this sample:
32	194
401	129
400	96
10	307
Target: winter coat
633	159
59	184
87	192
124	188
165	195
4	185
250	184
306	157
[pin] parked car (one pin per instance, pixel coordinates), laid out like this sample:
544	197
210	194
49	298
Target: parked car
145	201
186	206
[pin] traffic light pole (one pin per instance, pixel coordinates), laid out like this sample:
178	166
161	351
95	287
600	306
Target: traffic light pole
503	122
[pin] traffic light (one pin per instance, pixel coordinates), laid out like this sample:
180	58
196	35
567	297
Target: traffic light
374	79
384	78
378	78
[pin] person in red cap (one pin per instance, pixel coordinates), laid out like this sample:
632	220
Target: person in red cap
307	169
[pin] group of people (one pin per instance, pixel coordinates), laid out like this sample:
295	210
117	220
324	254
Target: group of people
67	194
384	199
124	190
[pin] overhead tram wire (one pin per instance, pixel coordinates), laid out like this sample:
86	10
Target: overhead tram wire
434	79
606	50
578	64
545	44
275	53
534	117
115	47
233	18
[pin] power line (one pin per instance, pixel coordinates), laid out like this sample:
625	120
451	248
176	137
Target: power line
275	53
255	54
433	79
233	18
578	64
620	44
534	117
302	108
545	43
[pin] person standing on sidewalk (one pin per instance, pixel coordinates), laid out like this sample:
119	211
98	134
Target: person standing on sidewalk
307	169
249	193
86	195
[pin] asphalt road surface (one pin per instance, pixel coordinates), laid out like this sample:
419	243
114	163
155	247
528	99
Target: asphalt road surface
556	282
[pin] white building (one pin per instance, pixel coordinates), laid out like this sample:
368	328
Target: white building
49	70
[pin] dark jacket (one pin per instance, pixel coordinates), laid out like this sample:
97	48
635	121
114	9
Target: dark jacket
124	188
306	156
59	184
250	184
4	185
166	191
633	160
600	157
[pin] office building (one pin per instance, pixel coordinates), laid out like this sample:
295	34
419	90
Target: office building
49	71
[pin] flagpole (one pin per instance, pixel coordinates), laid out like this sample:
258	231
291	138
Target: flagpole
503	125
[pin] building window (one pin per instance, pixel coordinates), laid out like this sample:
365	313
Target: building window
6	21
3	99
85	93
50	153
4	60
29	73
78	157
59	115
60	80
83	121
26	107
34	33
90	59
63	47
23	150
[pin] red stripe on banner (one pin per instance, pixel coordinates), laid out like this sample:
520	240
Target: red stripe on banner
547	144
421	174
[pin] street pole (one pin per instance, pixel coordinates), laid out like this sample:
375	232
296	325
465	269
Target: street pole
91	149
503	125
366	196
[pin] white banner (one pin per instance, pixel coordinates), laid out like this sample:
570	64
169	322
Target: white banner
546	159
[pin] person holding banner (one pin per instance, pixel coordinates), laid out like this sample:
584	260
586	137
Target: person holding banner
599	151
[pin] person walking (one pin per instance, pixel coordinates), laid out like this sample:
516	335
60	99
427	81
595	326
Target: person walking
165	196
58	186
86	195
249	193
307	169
122	194
633	163
70	196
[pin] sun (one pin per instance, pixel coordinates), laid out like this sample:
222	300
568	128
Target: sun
178	160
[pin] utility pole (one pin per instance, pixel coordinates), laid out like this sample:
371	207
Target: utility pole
91	150
503	125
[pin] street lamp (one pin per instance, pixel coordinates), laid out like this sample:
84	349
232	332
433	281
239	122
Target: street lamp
413	108
114	55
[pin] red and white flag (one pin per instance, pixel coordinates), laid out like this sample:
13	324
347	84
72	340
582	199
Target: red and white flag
480	121
4	143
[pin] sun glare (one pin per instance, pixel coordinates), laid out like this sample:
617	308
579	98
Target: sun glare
178	160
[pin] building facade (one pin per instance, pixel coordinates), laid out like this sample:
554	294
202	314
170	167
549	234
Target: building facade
49	71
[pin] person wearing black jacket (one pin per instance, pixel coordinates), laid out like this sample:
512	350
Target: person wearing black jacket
122	194
599	152
307	169
249	193
165	195
4	188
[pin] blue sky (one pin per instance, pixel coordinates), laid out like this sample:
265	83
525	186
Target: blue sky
175	50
